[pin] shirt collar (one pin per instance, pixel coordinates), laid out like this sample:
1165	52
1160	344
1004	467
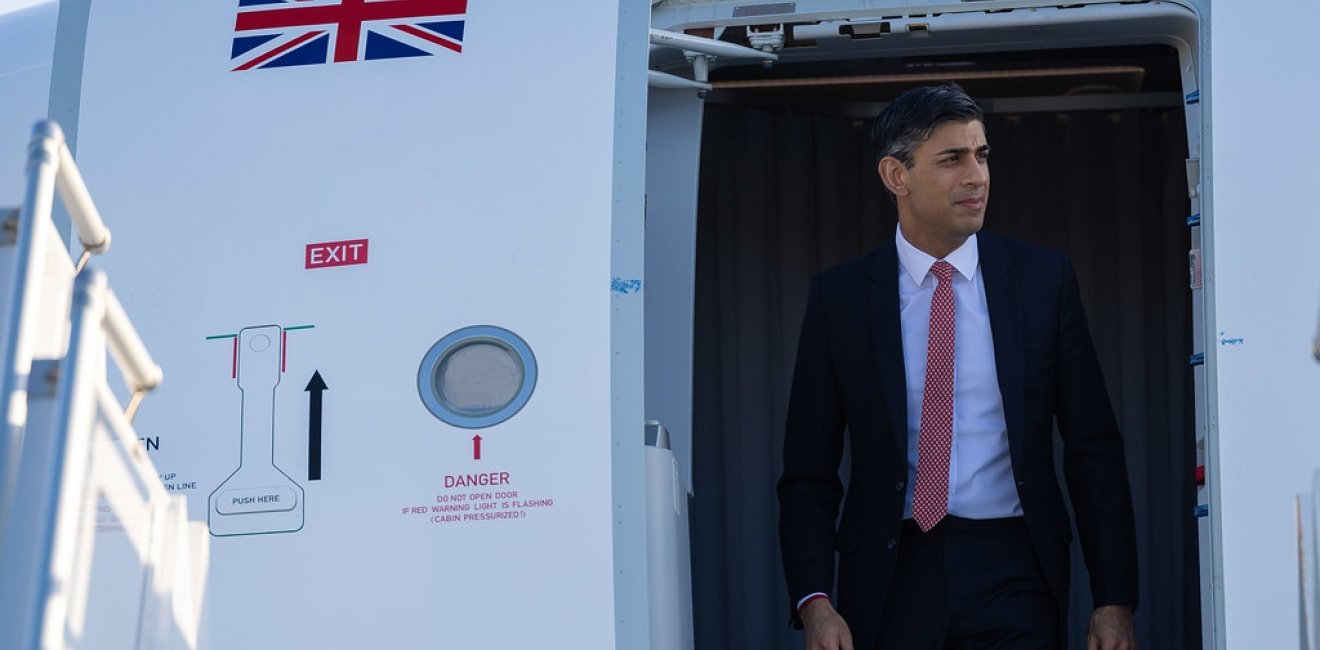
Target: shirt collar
916	262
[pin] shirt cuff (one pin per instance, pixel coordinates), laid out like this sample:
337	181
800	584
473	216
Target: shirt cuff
810	597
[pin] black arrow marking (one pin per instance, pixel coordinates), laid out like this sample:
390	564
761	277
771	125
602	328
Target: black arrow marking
314	387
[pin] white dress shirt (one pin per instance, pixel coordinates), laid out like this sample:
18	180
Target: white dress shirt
981	484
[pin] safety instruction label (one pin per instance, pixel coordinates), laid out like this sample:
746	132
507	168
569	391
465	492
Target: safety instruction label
478	497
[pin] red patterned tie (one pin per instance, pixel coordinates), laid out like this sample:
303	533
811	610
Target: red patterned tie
930	498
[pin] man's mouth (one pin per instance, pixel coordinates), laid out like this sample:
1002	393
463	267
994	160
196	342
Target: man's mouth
975	203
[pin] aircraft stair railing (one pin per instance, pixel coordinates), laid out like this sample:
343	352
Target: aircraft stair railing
36	275
94	551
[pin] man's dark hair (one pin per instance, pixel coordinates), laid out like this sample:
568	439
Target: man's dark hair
912	117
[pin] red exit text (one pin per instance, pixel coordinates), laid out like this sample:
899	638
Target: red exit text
336	253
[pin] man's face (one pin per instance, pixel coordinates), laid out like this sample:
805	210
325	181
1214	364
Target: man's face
946	190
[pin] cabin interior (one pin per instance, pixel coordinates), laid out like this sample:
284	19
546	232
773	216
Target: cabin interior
1092	115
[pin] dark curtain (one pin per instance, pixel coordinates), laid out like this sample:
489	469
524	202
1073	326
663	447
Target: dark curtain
783	195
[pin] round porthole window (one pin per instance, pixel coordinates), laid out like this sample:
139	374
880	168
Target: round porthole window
477	377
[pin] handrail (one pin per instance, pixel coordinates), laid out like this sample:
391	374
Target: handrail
141	373
48	140
50	168
49	146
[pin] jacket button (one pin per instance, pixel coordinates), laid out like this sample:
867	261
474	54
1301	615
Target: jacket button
898	487
891	544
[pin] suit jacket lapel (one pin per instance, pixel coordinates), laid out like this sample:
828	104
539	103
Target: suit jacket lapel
1003	300
887	329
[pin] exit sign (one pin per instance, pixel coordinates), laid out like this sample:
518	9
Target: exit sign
336	253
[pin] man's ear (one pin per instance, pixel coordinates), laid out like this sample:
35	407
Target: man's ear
894	175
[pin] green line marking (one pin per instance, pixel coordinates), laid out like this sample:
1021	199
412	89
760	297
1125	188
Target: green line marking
235	336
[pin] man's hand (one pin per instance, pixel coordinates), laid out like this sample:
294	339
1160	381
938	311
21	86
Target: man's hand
825	629
1111	629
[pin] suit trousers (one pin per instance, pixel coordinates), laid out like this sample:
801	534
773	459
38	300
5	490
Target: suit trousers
969	585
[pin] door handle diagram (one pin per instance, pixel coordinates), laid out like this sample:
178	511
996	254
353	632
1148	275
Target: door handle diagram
257	497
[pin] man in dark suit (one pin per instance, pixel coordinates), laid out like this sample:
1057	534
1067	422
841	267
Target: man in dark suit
946	356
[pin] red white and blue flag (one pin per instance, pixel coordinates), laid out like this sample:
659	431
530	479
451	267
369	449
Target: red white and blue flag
280	33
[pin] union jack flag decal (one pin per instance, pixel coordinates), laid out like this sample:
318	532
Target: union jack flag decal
279	33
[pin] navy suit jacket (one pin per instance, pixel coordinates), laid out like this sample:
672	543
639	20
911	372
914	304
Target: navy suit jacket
849	378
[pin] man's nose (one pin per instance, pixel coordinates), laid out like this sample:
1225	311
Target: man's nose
976	173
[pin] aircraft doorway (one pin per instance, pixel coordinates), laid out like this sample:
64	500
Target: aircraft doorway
1093	166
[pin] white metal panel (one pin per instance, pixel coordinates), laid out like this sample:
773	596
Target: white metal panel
1259	178
483	186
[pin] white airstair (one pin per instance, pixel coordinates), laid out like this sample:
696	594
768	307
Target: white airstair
94	552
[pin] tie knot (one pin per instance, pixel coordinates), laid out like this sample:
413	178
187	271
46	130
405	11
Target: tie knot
942	270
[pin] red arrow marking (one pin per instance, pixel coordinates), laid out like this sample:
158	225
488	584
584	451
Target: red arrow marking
476	447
